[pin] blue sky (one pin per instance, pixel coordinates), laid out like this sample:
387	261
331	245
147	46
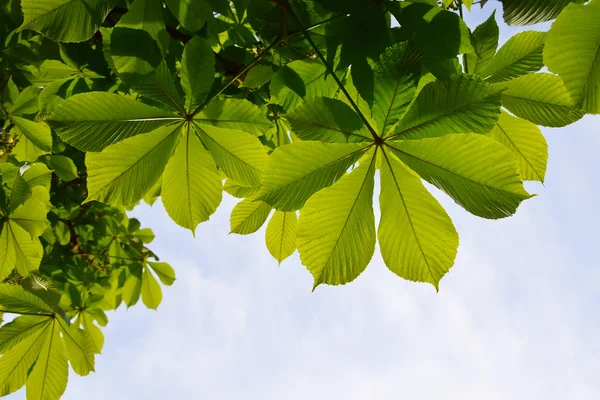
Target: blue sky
516	317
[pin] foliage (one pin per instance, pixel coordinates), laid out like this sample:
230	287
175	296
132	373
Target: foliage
283	104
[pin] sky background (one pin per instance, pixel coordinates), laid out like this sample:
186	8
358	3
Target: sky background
516	317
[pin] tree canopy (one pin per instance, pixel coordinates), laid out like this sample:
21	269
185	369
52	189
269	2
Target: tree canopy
295	107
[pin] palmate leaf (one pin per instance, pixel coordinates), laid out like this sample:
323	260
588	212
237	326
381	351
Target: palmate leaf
529	12
520	55
124	172
238	154
191	188
63	166
164	271
281	235
19	329
542	99
248	216
65	20
417	238
26	102
297	171
27	251
159	86
79	348
526	141
572	52
459	104
38	133
147	15
151	291
478	173
337	222
328	120
93	121
31	216
15	298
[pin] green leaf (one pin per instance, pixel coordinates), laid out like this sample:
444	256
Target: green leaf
542	99
17	299
95	333
63	166
240	191
27	102
526	141
19	189
192	14
520	55
417	238
234	114
478	173
238	154
79	348
132	53
124	172
297	171
328	120
485	38
572	51
197	72
49	71
300	80
38	175
62	233
10	94
8	256
164	271
248	216
281	235
65	20
48	379
151	291
337	225
16	362
258	76
192	188
159	86
31	216
395	84
93	121
132	290
529	12
19	329
460	104
147	15
37	132
146	235
28	251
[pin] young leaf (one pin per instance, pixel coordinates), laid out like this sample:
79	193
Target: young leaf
164	271
79	348
572	52
485	39
248	216
281	235
338	224
521	55
542	99
151	291
526	141
192	188
478	173
125	171
63	166
48	379
238	154
417	238
297	171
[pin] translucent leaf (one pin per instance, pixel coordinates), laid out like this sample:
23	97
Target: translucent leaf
31	216
192	188
151	291
8	256
28	251
164	271
542	99
37	132
258	76
478	173
520	55
297	171
15	298
238	154
485	38
417	238
240	191
132	290
93	121
526	141
529	12
38	175
79	348
124	172
328	120
197	72
48	379
63	166
27	102
338	225
234	114
146	235
65	20
572	52
248	216
19	329
281	235
159	86
460	104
